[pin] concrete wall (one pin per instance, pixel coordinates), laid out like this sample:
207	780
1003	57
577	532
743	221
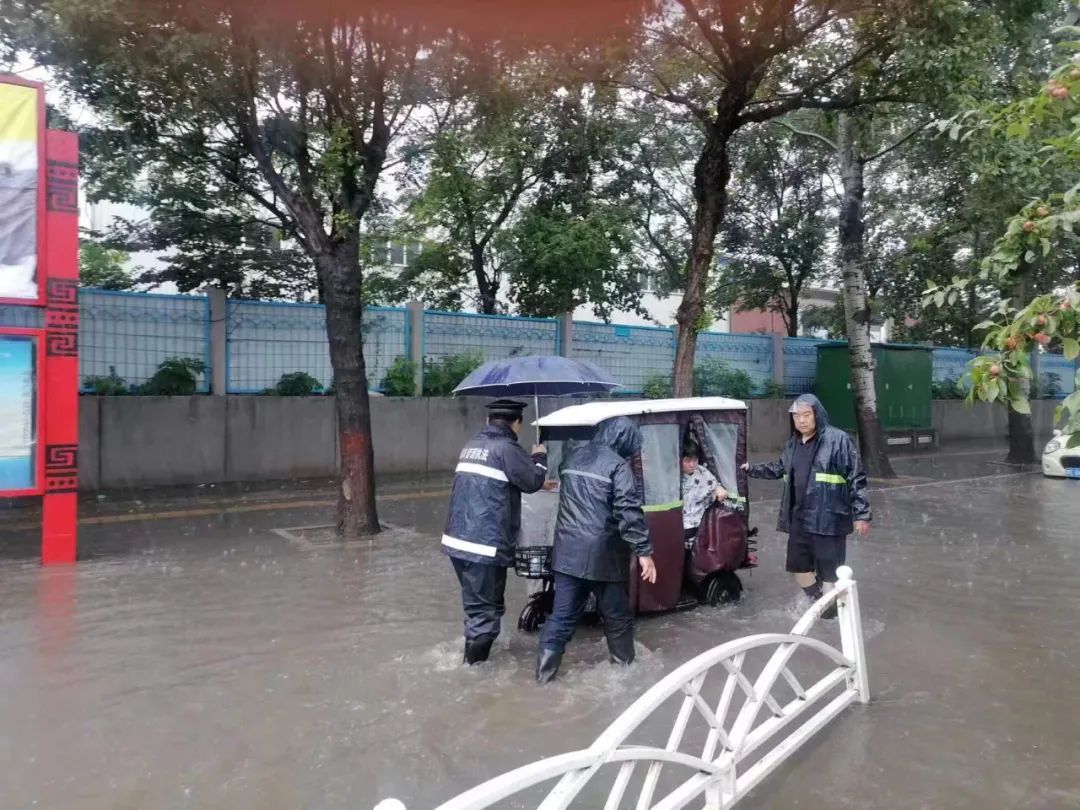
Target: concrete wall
160	441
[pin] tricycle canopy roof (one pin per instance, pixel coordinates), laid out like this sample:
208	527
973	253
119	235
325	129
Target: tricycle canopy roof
593	413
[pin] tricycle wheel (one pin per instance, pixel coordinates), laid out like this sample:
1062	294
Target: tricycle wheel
724	588
536	610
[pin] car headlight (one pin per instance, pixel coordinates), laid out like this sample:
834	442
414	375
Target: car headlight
1052	446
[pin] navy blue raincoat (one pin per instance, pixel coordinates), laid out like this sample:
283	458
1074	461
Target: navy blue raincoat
484	518
836	494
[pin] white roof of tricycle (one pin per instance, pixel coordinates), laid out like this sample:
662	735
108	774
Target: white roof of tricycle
593	413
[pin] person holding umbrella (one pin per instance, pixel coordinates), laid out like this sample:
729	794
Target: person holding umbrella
484	520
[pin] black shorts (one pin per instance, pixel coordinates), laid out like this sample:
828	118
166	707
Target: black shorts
821	554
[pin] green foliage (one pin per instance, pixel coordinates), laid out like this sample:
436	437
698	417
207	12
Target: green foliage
106	386
295	384
712	378
442	376
1048	121
717	378
399	380
658	386
948	388
773	390
175	377
779	224
103	268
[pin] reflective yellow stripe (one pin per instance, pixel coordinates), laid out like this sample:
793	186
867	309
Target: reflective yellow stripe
663	507
829	478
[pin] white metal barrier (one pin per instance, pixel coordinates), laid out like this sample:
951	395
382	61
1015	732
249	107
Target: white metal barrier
737	753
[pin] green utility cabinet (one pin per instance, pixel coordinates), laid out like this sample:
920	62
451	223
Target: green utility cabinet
902	376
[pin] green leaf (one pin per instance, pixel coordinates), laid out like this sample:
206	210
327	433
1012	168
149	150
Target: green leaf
1045	246
1021	406
1071	348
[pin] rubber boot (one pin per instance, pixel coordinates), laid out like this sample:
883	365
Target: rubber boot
477	650
621	649
547	664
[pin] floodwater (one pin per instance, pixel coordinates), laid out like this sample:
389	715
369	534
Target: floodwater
209	662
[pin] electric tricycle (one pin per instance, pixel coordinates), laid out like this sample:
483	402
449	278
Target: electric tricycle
703	574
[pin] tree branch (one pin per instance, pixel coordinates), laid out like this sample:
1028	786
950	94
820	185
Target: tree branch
896	145
808	134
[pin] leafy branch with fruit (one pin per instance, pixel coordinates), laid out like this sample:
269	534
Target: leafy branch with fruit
1049	120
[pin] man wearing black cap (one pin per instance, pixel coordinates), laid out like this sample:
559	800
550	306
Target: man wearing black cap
485	518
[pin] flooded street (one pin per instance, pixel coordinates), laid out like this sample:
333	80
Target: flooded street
211	662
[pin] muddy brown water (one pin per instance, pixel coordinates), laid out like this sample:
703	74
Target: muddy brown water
213	663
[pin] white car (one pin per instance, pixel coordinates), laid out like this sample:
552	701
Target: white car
1059	460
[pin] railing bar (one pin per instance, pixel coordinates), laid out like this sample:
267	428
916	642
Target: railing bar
618	790
722	709
789	745
793	682
793	710
652	778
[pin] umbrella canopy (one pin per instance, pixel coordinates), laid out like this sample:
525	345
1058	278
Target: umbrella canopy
536	376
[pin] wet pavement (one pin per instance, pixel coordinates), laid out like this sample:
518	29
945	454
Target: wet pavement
200	657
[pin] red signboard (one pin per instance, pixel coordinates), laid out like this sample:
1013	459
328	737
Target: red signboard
39	267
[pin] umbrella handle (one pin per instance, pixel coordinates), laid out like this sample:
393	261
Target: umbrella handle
536	405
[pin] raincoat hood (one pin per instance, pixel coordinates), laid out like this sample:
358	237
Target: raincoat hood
621	435
821	416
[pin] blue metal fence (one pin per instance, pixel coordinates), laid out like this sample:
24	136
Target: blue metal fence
800	364
130	334
266	340
631	354
750	353
951	364
492	337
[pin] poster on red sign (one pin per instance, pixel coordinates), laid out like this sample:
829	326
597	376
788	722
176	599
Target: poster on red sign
20	148
18	413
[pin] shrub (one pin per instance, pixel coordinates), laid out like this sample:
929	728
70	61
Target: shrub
1047	387
296	384
773	390
175	377
657	387
110	386
443	376
399	380
715	378
711	379
948	388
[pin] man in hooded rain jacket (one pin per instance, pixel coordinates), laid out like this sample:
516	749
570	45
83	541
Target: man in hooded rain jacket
484	520
600	522
824	497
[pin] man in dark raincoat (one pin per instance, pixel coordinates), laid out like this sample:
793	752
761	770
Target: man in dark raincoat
484	520
824	497
600	521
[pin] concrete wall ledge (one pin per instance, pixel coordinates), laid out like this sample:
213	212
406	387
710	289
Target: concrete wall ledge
131	442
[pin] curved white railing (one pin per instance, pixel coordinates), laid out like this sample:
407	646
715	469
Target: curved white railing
725	767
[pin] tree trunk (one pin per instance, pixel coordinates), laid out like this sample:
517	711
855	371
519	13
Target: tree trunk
1021	432
340	274
872	444
711	175
486	287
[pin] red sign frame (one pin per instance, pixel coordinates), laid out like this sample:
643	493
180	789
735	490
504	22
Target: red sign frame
56	456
